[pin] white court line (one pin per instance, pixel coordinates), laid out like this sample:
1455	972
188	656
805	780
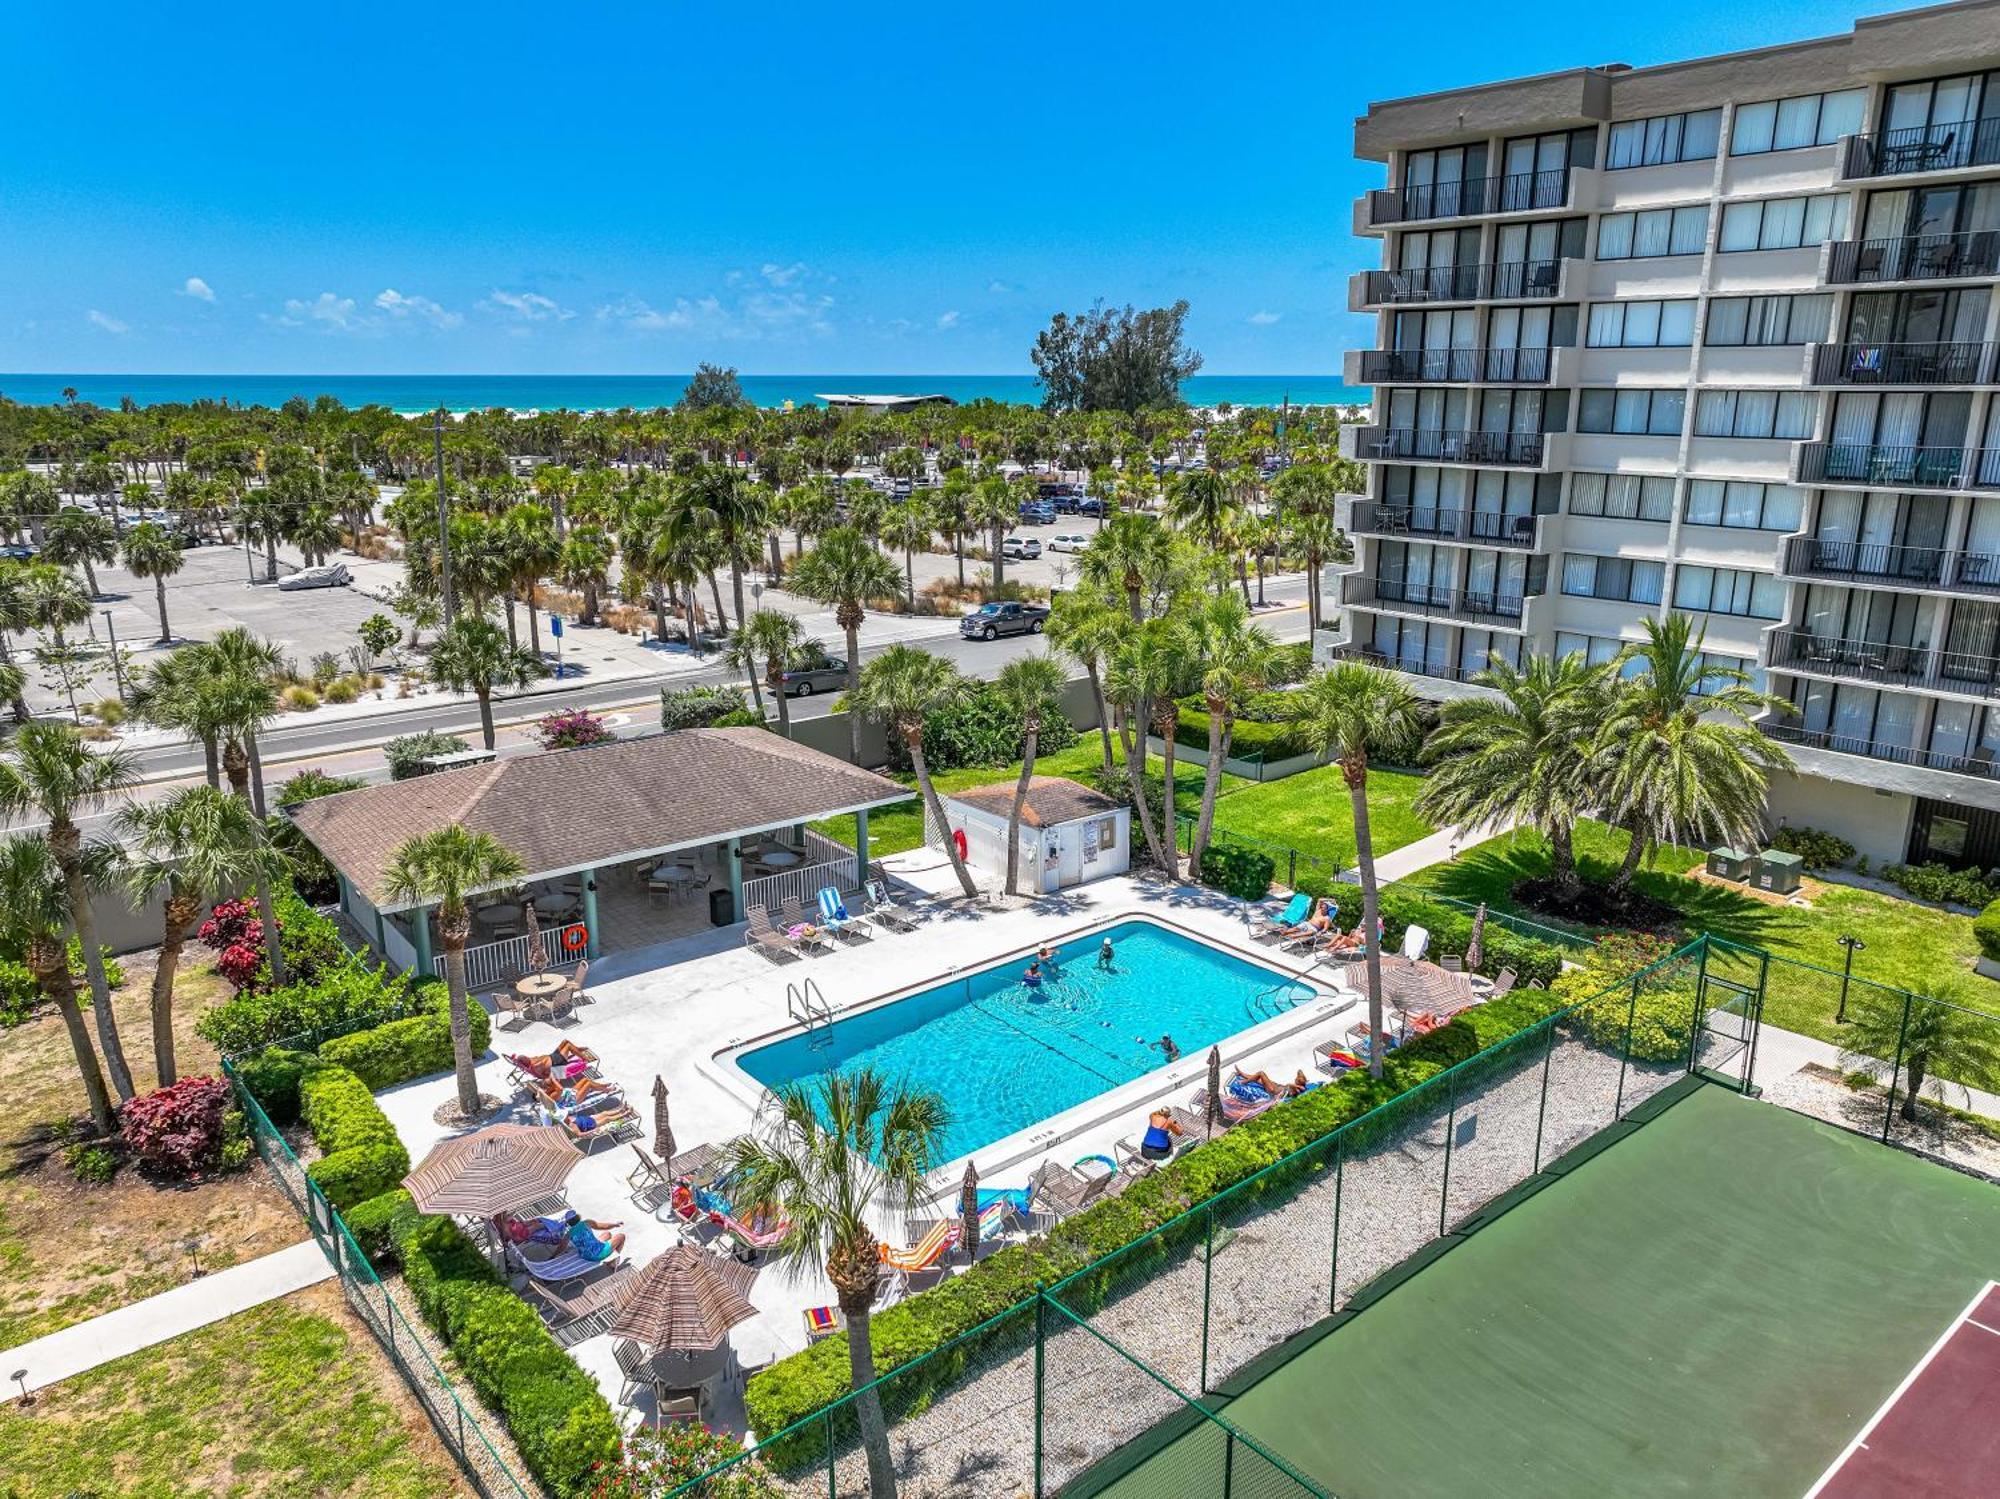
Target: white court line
1861	1438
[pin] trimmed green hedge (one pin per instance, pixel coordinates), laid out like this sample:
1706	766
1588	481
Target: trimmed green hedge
402	1049
558	1417
363	1155
1986	931
371	1221
1237	869
1248	739
804	1383
272	1077
1451	931
330	1000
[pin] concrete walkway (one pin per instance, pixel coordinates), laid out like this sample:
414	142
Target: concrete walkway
219	1294
1780	1052
1439	848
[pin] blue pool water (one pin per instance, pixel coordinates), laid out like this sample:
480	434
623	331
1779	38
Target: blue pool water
1005	1056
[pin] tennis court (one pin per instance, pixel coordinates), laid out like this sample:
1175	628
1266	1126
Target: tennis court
1717	1304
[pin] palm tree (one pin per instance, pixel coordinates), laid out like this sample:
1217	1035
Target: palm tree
1199	504
190	849
844	571
151	553
1306	494
528	538
827	1157
474	655
1682	763
15	617
900	689
994	509
442	869
1128	553
1233	658
1526	753
1032	686
80	538
55	600
35	919
771	638
910	527
1086	627
238	669
584	564
1149	666
1340	712
1936	1036
49	772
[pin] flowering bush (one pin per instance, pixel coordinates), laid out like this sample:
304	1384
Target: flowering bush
177	1130
658	1462
235	932
572	728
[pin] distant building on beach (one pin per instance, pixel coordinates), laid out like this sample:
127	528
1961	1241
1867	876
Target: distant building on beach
882	403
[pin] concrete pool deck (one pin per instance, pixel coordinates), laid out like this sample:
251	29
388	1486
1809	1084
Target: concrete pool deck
673	1009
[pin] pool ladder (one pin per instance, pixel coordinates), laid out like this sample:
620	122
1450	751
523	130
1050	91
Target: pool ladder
808	1006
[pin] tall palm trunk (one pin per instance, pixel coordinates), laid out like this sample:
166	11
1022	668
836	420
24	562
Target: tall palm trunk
454	933
274	940
236	766
160	596
853	1269
256	758
1220	727
66	842
507	598
49	958
1562	853
774	675
534	625
1167	721
1103	715
485	693
715	591
1355	770
1634	852
1243	580
270	557
660	612
850	616
90	575
178	916
756	687
736	585
1032	735
589	604
913	736
1313	566
1135	772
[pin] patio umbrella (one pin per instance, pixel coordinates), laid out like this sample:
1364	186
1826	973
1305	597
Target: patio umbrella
538	952
1214	1088
686	1300
1475	950
968	1212
494	1169
663	1130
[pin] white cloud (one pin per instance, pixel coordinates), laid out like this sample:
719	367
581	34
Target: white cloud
397	305
529	306
335	314
108	323
1001	288
759	314
783	275
1264	319
948	319
197	288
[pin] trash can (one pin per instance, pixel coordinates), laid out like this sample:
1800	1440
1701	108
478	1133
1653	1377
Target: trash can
721	907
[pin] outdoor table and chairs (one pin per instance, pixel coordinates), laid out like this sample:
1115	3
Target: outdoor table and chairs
778	858
670	879
538	992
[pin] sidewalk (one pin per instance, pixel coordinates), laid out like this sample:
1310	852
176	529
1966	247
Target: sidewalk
1439	848
143	1324
1781	1052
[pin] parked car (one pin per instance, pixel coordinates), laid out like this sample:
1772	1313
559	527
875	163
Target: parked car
1069	541
19	551
1038	512
828	673
990	621
333	575
1090	504
1020	548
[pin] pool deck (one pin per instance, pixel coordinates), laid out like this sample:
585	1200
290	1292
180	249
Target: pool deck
673	1009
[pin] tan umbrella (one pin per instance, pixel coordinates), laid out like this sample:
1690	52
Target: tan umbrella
687	1300
538	950
663	1130
968	1212
1475	950
1214	1110
492	1170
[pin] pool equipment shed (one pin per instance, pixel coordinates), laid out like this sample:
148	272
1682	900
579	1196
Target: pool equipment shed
1070	834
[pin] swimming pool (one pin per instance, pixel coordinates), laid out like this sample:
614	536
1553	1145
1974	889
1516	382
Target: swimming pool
1006	1056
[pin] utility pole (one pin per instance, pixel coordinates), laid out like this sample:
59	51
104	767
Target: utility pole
444	518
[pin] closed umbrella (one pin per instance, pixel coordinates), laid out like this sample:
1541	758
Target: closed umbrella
686	1300
493	1170
968	1212
538	951
663	1130
1475	950
1214	1088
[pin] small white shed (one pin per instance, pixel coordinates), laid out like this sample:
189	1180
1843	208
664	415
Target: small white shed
1070	834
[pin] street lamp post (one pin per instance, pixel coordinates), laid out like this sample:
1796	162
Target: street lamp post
1853	946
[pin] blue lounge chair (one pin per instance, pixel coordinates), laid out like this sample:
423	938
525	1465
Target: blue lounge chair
1265	923
834	917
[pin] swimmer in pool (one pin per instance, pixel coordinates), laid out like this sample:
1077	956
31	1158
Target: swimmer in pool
1166	1044
1046	954
1033	977
1105	953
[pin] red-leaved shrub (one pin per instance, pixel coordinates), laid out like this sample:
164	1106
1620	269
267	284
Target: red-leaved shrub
236	932
177	1130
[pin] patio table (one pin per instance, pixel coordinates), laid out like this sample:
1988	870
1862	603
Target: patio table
540	985
782	858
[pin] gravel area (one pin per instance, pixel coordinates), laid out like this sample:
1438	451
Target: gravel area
1823	1093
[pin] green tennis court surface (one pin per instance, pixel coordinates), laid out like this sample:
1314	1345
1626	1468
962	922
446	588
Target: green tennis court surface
1714	1305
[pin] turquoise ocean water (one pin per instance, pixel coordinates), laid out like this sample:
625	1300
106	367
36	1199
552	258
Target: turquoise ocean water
610	392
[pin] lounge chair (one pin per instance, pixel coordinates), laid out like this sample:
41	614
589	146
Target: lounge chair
1503	984
1336	1057
577	1061
886	911
759	934
1234	1107
648	1180
597	1097
1452	963
578	995
802	932
1265	923
1319	929
562	1268
925	1255
833	917
1415	940
611	1124
752	1241
1058	1191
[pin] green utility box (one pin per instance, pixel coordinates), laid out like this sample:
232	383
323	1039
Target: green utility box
1731	863
1776	872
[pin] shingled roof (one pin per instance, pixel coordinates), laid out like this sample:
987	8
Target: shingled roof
576	809
1051	799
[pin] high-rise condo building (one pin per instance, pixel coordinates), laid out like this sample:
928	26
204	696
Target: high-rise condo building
1717	337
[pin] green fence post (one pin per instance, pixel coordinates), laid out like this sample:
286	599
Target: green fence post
1339	1180
832	1468
1292	869
1228	1460
1207	1278
1625	1057
1041	1332
1896	1071
1444	1185
1696	1023
1542	1111
1756	1019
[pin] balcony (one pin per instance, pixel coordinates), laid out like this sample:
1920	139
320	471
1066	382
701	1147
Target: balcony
1429	523
1903	364
1481	606
1433	445
1891	566
1914	257
1529	366
1410	666
1504	281
1979	763
1879	665
1520	192
1951	146
1867	466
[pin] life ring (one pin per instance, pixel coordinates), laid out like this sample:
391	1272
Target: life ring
575	938
958	842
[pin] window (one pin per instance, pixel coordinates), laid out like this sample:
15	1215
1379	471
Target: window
1642	325
1618	578
1755	413
1788	124
1783	223
1664	138
1744	505
1737	322
1653	413
1714	685
1622	496
1728	590
1652	232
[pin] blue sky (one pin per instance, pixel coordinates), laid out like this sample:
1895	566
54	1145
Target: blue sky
603	188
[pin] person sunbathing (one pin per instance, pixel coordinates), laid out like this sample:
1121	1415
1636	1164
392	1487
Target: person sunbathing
1354	944
1262	1080
591	1239
568	1058
1315	925
576	1094
530	1230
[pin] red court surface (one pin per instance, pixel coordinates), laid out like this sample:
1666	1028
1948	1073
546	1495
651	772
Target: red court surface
1938	1436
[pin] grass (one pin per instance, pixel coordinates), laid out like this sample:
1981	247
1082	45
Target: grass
286	1399
1909	945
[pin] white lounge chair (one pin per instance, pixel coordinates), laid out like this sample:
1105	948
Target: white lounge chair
887	912
1415	940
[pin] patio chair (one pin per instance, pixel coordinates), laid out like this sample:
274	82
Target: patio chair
632	1371
922	1257
1266	923
1503	984
1415	940
648	1181
611	1124
833	917
511	1009
760	935
1452	963
1062	1190
676	1405
887	911
751	1240
1334	1056
578	995
806	938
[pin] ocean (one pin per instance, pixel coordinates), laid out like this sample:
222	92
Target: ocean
610	392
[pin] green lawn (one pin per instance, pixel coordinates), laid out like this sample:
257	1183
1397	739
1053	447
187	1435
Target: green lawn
284	1400
1907	943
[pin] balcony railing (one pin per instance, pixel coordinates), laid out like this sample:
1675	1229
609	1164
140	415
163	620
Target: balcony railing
1487	527
1529	366
1979	762
1899	566
1914	257
1515	449
1507	279
1519	192
1886	665
1929	467
1949	146
1415	666
1443	599
1903	364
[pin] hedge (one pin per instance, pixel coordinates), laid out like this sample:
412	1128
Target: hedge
370	1221
806	1382
1247	738
272	1077
402	1049
1237	869
1986	931
1451	931
559	1419
328	1001
363	1156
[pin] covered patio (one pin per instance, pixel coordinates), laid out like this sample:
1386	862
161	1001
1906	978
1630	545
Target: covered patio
626	845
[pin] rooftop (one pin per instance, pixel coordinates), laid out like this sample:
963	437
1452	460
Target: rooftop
1051	800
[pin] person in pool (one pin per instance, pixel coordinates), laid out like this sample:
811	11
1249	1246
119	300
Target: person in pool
1166	1044
1105	953
1033	977
1046	955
